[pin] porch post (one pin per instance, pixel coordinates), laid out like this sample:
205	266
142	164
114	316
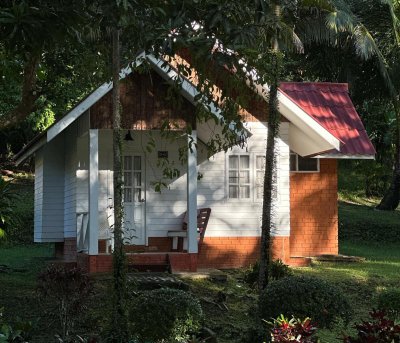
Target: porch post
192	193
93	192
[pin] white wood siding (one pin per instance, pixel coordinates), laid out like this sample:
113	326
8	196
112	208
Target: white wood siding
165	210
233	217
52	194
38	196
70	182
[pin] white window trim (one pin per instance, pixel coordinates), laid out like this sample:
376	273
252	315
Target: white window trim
297	165
253	176
251	183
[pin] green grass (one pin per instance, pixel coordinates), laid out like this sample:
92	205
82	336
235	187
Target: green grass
18	283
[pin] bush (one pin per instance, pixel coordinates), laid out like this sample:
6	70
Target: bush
277	270
303	296
165	314
389	301
293	330
69	290
379	330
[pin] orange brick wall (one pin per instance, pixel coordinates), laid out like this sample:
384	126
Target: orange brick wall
235	252
313	211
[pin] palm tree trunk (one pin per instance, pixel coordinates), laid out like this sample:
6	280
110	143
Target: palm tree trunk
119	268
270	165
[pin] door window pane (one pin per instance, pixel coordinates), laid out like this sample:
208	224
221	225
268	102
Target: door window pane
138	179
128	162
127	179
137	163
127	194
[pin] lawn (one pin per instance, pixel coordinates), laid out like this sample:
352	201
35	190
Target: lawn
229	306
360	281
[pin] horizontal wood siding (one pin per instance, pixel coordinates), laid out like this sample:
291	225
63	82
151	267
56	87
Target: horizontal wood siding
241	218
38	198
70	182
165	210
53	191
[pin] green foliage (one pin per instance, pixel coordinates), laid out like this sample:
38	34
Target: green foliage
293	330
69	289
19	333
7	207
389	301
277	270
165	315
42	119
378	330
303	296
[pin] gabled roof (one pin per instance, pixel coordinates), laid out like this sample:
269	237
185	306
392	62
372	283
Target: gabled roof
330	105
312	131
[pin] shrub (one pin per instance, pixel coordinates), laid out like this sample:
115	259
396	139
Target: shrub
7	207
293	330
165	314
69	290
277	270
379	330
303	296
21	332
389	301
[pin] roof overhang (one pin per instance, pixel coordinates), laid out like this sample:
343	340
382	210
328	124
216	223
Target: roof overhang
306	135
346	157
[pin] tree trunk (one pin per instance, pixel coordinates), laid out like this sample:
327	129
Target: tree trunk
119	324
391	199
270	166
29	93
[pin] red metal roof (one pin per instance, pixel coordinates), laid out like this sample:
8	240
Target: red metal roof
330	105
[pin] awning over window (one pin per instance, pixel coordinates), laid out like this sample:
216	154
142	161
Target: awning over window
330	105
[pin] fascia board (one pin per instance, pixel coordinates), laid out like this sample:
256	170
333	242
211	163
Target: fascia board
31	150
96	95
347	157
304	122
188	91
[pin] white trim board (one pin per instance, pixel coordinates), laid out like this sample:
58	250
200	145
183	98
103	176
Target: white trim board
287	108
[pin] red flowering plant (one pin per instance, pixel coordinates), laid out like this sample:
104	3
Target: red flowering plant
293	330
378	330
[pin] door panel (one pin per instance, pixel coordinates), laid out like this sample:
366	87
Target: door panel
134	200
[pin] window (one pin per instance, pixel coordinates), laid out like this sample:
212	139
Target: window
239	177
246	176
132	178
303	164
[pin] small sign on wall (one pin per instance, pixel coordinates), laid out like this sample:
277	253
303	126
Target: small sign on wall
162	154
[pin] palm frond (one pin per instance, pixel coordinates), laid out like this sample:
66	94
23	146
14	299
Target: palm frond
395	19
366	48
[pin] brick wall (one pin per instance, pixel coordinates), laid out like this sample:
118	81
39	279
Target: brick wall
313	211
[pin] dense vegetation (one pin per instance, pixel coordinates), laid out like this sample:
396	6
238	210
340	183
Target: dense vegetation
53	52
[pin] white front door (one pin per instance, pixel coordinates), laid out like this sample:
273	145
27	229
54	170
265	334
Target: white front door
134	200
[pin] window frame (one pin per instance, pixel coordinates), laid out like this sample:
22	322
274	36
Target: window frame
292	153
250	183
253	176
